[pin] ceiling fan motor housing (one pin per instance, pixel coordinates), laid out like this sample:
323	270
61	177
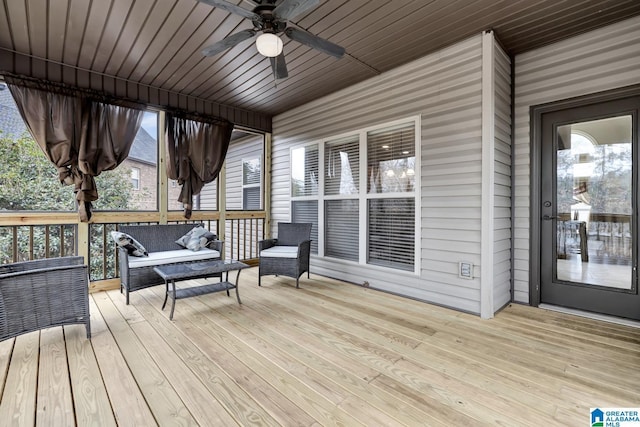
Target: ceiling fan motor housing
268	22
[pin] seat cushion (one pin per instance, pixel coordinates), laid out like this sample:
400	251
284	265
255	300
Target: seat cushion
280	252
170	257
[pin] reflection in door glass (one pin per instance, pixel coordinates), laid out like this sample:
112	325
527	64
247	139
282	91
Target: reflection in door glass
594	202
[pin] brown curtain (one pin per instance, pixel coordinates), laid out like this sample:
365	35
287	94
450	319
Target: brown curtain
196	150
82	136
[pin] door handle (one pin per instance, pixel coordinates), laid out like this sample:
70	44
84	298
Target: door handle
549	218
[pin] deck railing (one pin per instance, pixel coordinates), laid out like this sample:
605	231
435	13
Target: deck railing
604	239
27	242
50	235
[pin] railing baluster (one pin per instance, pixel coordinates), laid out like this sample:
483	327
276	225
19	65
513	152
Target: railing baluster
104	251
31	242
46	242
14	248
249	240
244	239
63	252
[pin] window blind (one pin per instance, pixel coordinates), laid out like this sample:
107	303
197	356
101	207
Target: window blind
392	233
391	159
304	171
307	211
251	198
342	166
341	229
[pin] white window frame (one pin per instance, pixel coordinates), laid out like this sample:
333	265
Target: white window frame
363	197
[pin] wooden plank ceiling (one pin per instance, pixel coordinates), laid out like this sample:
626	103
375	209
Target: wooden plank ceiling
158	42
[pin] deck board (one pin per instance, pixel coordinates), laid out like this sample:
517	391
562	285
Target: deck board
329	353
18	405
127	400
163	400
54	403
90	398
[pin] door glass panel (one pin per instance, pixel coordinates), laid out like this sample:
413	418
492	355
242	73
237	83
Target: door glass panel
594	203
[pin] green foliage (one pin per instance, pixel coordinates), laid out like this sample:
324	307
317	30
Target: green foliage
609	186
28	181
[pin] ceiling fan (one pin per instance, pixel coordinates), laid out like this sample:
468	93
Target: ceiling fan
270	18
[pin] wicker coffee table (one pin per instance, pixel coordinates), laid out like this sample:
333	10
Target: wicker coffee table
198	270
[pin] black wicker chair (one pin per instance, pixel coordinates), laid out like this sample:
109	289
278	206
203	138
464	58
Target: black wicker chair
43	293
288	255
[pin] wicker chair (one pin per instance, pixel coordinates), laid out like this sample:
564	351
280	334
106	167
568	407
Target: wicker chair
43	293
288	255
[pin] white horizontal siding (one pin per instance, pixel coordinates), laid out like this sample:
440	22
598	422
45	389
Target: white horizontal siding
444	89
244	149
600	60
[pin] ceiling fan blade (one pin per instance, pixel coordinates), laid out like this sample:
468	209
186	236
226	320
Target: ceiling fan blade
230	7
279	67
291	8
315	42
228	42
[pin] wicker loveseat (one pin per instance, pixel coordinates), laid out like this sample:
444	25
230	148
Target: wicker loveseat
160	242
288	255
43	293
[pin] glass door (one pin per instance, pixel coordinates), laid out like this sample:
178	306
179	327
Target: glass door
589	183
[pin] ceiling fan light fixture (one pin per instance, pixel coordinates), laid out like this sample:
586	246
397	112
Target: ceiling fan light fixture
269	45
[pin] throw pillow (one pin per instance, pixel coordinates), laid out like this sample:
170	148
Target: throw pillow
199	241
132	246
196	239
182	241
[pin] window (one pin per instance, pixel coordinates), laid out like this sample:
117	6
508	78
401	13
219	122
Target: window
304	189
359	192
135	178
251	188
341	207
391	162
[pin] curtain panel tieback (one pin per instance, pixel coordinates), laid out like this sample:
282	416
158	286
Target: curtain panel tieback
196	151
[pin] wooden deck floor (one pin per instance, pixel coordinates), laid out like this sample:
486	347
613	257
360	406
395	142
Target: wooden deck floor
326	354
